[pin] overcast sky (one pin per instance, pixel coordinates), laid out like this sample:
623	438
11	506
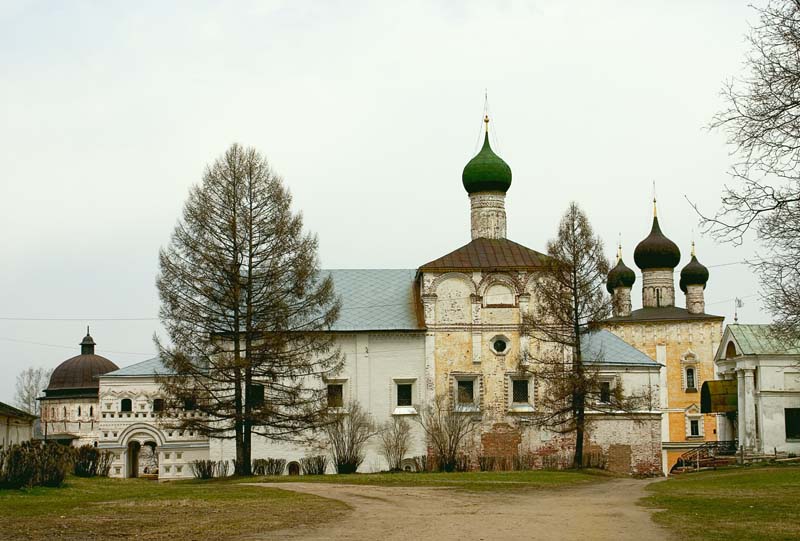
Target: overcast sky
109	111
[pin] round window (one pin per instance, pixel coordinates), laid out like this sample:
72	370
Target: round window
500	345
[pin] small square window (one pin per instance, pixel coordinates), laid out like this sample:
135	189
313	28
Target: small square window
694	427
179	455
404	396
167	455
158	405
167	468
520	391
179	468
466	392
335	395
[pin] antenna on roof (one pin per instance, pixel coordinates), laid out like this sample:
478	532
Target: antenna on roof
737	303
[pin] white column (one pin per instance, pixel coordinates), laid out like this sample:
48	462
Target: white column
749	409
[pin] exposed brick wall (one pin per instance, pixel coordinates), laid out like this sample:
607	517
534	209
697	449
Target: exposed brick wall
502	440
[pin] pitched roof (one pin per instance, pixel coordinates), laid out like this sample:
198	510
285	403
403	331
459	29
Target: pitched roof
377	300
150	367
11	411
604	347
664	313
485	254
762	340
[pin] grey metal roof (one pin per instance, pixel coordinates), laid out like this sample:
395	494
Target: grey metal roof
376	300
604	347
762	339
150	367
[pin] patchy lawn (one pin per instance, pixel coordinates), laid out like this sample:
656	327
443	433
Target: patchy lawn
102	508
473	481
757	503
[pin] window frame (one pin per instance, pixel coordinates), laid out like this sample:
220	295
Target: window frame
700	425
341	383
686	387
397	408
520	407
122	405
467	407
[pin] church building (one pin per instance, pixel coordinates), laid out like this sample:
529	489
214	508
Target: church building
682	340
452	328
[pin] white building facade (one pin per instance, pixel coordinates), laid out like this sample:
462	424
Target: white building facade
763	399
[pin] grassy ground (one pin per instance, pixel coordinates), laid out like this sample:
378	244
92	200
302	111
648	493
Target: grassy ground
114	509
757	503
473	481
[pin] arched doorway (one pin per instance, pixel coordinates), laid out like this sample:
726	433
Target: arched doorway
133	458
294	468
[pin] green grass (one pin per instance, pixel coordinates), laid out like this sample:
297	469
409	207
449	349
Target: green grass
102	508
472	481
757	503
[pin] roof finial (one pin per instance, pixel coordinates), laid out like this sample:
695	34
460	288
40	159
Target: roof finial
655	210
692	248
87	331
486	121
619	246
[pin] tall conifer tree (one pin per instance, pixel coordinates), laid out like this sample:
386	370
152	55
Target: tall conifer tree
246	309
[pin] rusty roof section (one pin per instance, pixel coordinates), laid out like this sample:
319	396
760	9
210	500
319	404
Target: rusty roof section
488	254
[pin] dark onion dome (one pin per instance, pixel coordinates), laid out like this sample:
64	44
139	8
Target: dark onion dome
486	172
80	372
693	274
656	251
620	275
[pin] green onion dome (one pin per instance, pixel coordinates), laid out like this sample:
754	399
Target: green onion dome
656	251
620	275
486	172
693	274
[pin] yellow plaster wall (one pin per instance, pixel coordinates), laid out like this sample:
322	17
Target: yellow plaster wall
680	337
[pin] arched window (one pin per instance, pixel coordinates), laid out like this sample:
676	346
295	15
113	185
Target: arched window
64	412
126	405
690	379
730	351
79	411
658	297
52	413
91	412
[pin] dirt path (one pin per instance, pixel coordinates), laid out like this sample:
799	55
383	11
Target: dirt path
598	511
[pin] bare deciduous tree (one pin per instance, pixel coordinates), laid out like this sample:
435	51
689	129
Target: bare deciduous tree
246	309
446	431
569	294
762	122
348	433
31	383
395	437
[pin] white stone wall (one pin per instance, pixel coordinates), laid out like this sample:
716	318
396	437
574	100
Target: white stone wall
374	364
14	430
658	288
175	449
621	301
767	387
695	299
77	416
488	215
